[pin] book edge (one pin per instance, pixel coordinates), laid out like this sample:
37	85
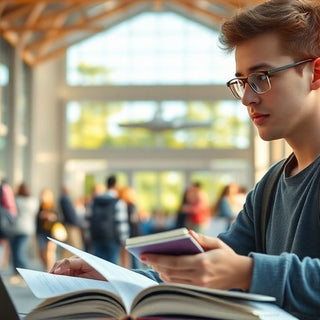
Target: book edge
171	234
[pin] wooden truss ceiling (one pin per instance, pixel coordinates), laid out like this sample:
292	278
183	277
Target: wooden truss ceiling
43	29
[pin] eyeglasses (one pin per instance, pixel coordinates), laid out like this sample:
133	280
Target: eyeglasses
259	82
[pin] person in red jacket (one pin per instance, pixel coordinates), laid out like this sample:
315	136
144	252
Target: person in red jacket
197	207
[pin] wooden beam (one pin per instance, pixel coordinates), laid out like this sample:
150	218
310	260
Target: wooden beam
21	19
15	12
33	2
126	4
21	29
157	5
193	8
244	3
30	20
41	56
2	7
224	3
58	22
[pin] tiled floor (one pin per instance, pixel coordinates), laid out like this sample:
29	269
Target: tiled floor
22	297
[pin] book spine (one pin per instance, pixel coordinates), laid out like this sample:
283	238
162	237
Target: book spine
127	317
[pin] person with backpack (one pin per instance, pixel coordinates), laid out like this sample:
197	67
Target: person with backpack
109	225
71	221
275	252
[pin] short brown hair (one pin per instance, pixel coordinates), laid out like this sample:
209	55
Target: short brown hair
297	22
23	190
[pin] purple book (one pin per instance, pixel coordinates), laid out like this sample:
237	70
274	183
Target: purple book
174	242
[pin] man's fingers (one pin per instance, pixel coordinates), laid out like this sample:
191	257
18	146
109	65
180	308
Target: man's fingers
68	266
207	243
168	261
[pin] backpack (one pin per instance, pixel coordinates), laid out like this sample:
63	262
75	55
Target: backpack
103	226
7	220
268	197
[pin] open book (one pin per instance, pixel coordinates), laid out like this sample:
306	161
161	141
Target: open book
130	295
175	242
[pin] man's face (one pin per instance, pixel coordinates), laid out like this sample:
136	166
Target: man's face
286	109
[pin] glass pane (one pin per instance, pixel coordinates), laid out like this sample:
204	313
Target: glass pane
171	185
4	75
150	48
172	124
146	185
159	195
224	172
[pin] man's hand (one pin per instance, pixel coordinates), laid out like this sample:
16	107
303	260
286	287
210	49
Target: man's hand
75	267
219	267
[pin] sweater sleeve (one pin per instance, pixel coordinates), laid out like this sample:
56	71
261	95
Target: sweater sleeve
151	274
293	282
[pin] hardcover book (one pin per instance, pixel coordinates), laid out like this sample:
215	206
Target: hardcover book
175	242
130	295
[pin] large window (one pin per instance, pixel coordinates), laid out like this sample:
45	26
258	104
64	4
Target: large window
152	48
171	124
144	97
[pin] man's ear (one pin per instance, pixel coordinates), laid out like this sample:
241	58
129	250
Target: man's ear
316	74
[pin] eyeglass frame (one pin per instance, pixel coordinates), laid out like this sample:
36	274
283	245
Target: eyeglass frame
266	73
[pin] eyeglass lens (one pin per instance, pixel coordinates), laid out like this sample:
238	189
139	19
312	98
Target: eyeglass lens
258	82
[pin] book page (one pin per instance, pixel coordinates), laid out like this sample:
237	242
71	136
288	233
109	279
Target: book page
46	285
126	283
205	302
223	293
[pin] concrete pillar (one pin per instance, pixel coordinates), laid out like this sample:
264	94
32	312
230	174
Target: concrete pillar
47	137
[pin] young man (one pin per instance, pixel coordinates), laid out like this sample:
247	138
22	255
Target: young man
109	226
277	50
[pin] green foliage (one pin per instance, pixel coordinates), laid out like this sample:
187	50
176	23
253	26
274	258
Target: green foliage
97	127
91	73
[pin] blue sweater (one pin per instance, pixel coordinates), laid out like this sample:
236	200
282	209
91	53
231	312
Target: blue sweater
290	271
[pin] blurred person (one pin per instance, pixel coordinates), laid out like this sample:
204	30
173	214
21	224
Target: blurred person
183	211
96	190
81	210
7	201
227	204
240	198
160	222
109	226
197	207
47	214
27	208
80	207
145	222
128	195
71	221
